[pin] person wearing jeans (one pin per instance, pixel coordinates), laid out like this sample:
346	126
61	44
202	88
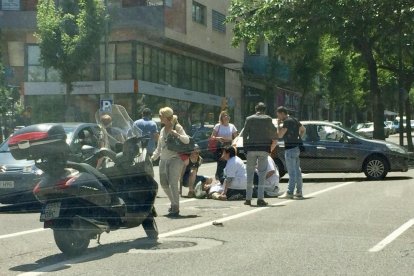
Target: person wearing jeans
258	135
291	130
295	173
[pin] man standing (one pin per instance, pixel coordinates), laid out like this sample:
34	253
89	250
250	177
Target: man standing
292	131
258	134
148	127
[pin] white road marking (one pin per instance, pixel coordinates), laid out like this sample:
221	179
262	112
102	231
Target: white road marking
68	263
22	233
392	236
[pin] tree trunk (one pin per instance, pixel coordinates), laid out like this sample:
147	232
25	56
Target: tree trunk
408	117
377	104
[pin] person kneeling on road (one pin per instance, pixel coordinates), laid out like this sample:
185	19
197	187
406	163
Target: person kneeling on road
190	177
271	184
235	181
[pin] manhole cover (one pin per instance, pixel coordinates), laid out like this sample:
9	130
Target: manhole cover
176	245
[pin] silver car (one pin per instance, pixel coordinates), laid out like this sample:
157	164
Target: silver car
331	148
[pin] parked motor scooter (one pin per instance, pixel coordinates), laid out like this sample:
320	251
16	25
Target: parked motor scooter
80	202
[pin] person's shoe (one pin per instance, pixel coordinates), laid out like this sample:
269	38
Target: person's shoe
298	195
191	194
286	195
173	214
261	203
248	202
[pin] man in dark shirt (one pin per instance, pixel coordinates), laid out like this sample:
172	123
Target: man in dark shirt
291	130
258	134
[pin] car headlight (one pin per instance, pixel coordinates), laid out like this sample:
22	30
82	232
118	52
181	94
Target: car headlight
32	169
396	148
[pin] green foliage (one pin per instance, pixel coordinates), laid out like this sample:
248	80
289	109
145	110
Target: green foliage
69	34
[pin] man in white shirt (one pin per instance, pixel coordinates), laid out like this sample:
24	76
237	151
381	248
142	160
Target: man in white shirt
271	184
235	181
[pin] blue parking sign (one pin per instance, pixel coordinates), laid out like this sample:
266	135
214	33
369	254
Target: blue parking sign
106	106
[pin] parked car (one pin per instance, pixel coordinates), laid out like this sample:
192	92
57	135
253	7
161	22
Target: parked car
367	130
344	152
200	136
18	177
390	127
357	126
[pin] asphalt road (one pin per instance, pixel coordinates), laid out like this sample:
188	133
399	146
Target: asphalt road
346	225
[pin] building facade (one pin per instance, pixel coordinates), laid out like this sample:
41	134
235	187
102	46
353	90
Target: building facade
160	53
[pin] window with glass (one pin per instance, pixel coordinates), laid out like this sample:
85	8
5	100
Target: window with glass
199	13
35	70
160	66
218	21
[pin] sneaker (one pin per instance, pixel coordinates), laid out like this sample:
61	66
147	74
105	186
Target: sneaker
286	195
191	194
173	215
261	203
248	202
298	195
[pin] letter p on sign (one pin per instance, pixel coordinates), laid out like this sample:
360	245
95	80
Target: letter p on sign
106	106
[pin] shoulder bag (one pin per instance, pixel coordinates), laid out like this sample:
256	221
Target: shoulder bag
174	144
212	145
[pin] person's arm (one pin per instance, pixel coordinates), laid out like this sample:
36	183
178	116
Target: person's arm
302	131
180	133
227	184
157	152
246	130
281	130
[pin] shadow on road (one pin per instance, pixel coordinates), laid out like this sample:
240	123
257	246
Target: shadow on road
96	253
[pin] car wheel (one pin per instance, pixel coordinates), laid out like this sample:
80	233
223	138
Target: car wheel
375	167
280	167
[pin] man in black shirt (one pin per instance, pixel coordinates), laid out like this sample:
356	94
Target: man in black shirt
291	130
258	134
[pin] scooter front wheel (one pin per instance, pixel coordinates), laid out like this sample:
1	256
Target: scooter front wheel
71	242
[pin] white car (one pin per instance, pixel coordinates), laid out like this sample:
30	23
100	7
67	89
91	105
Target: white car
367	130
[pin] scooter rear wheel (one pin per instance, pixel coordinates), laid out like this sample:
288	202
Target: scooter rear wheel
71	242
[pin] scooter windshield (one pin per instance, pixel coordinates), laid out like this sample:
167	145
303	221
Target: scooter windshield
117	126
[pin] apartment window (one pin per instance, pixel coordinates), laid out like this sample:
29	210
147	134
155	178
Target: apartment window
218	22
119	61
199	13
10	5
35	70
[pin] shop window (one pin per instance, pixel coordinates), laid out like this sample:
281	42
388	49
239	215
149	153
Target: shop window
140	62
199	13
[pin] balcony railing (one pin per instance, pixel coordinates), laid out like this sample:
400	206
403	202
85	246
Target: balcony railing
146	16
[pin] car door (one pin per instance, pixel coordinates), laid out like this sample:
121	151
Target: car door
308	157
333	151
84	136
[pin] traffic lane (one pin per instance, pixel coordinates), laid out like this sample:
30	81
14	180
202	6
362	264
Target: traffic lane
329	233
337	216
21	250
193	211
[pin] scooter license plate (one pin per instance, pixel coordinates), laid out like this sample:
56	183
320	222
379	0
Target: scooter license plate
50	211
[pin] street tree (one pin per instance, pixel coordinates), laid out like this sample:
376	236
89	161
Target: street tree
70	34
397	52
358	25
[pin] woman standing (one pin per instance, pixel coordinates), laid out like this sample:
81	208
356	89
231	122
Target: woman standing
171	164
224	132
